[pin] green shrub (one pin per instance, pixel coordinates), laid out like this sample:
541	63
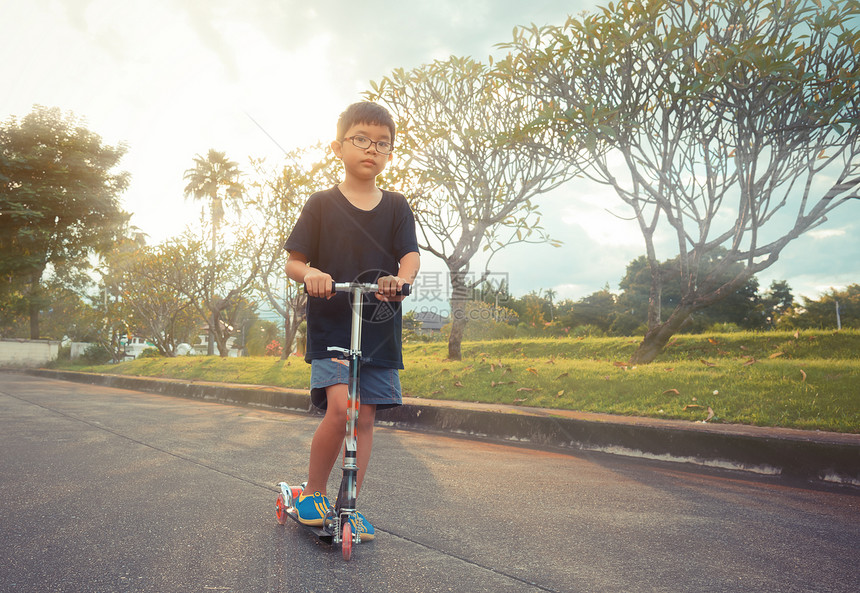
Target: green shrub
724	328
96	354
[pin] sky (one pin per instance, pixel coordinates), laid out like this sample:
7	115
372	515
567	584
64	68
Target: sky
171	79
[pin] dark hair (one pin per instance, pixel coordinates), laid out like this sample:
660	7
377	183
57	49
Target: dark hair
365	112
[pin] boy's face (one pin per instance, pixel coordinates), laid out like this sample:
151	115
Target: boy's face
363	163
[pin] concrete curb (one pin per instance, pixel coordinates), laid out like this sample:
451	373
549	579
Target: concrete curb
811	456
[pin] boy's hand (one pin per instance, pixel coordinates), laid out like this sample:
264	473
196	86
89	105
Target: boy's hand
318	284
388	287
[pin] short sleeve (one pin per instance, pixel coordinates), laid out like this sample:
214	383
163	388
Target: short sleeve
303	237
405	238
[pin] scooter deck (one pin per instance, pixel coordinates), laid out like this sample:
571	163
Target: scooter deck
321	533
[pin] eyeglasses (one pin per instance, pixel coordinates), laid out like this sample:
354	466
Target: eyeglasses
363	142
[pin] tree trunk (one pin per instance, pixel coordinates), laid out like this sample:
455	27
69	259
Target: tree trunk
221	334
657	337
35	302
210	350
289	336
459	295
210	347
34	320
655	296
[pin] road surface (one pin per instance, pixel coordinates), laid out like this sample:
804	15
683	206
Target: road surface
105	490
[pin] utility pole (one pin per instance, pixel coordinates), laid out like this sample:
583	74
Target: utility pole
838	319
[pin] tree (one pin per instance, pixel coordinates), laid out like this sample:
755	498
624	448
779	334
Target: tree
272	212
155	308
214	178
742	307
598	309
59	203
216	287
776	302
735	122
821	312
472	180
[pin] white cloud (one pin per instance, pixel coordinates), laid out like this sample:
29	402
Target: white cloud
600	217
819	234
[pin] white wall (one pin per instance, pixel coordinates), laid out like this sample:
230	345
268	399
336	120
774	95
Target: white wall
28	352
78	349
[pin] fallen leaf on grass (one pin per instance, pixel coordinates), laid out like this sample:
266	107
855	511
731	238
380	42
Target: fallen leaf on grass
693	407
457	384
712	341
621	365
519	401
803	374
524	389
494	384
532	370
675	391
561	376
710	414
750	361
776	354
708	363
669	370
560	393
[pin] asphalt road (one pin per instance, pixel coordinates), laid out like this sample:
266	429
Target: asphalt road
107	490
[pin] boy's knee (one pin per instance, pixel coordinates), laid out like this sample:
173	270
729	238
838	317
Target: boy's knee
366	418
335	414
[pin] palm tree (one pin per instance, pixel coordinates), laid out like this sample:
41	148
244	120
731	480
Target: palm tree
207	178
550	295
205	181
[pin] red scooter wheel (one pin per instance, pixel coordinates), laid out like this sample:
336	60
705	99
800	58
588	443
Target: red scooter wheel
346	543
281	509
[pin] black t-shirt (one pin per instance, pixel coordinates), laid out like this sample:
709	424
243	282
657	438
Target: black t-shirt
354	245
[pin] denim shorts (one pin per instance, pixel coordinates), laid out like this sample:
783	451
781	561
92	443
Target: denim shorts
376	385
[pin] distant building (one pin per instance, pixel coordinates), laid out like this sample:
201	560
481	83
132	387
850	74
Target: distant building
425	322
135	346
202	346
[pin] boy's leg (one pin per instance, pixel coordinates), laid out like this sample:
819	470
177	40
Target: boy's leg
366	418
328	439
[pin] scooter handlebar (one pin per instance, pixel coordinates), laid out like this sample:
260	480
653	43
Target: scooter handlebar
366	287
405	290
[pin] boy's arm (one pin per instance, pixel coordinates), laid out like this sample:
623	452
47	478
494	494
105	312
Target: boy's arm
318	283
406	274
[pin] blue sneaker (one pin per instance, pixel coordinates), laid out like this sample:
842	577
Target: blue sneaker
311	509
362	526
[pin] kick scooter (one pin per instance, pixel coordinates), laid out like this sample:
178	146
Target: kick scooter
336	527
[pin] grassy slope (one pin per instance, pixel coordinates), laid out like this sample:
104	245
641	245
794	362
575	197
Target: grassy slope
811	381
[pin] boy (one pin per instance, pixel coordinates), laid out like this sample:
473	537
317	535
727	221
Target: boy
353	232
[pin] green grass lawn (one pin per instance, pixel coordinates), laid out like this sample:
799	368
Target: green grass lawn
810	380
